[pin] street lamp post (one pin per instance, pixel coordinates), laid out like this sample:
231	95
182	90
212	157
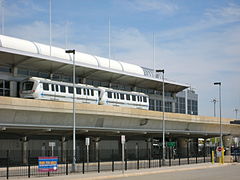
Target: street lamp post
220	112
163	122
74	113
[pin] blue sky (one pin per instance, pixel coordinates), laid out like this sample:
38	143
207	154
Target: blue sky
196	42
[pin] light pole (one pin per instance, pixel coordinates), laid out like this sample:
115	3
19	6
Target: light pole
220	111
74	113
163	122
214	100
236	111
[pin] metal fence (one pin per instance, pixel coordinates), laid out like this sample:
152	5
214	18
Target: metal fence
19	163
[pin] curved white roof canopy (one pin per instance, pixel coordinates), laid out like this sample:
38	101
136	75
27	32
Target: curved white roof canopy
42	49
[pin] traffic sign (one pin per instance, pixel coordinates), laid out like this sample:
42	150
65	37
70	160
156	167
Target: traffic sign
52	144
219	151
171	144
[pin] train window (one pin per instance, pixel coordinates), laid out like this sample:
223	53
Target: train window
92	92
53	87
128	97
46	86
62	88
115	97
56	87
133	98
122	96
88	92
138	98
28	86
144	99
78	91
70	89
109	94
84	91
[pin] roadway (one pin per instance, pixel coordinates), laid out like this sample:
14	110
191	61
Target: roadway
230	172
186	172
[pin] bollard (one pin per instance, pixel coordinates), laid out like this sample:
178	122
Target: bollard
112	160
125	160
222	158
29	168
7	174
179	160
159	157
66	168
83	165
169	154
98	160
149	159
138	158
196	156
212	157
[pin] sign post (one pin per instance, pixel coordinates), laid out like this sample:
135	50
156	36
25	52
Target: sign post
87	143
123	140
52	144
220	154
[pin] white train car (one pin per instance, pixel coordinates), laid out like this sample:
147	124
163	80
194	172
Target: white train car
39	88
123	98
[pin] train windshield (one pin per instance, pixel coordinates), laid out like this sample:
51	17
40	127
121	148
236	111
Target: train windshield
27	85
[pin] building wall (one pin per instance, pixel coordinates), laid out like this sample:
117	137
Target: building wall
185	102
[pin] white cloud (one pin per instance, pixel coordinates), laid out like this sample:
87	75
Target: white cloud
165	7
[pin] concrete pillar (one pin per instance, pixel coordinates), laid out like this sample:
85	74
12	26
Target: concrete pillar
95	146
227	142
63	149
24	150
173	106
149	146
13	84
182	145
194	146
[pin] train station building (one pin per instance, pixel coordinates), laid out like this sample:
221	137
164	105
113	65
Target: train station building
31	124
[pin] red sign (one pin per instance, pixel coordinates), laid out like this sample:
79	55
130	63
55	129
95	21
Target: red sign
219	149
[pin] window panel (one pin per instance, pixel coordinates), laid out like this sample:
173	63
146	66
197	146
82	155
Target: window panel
62	88
78	91
109	94
70	89
46	86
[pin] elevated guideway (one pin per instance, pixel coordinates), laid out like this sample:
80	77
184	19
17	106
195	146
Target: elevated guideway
37	117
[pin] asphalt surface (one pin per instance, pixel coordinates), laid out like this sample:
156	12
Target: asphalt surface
231	172
203	171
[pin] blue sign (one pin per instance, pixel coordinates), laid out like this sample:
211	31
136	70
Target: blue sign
47	164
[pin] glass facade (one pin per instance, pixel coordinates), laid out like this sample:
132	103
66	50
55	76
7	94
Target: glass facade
4	88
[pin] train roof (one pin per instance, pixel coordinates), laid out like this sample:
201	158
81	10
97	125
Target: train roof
37	56
58	82
123	91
